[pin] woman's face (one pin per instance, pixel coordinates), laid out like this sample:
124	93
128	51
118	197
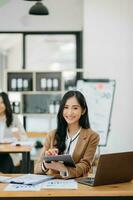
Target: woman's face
2	106
72	111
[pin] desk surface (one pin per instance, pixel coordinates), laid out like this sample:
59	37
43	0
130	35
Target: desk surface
123	190
9	148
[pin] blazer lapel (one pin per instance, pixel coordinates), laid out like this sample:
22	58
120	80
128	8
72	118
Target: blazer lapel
79	146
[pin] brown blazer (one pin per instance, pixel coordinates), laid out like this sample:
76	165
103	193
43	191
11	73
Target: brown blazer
83	153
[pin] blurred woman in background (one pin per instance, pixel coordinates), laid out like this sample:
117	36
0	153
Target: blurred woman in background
11	129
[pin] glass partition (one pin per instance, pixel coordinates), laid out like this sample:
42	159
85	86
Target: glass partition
50	51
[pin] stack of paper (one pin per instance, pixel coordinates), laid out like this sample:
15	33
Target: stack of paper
60	184
28	179
31	179
36	182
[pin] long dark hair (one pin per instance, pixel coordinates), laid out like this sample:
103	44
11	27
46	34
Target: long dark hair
8	110
61	122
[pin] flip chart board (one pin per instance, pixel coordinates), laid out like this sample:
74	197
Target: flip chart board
99	94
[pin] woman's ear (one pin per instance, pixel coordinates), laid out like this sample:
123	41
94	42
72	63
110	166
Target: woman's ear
83	112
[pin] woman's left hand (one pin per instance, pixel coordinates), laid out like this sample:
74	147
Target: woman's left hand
58	166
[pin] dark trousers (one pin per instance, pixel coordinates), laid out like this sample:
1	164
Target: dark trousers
6	163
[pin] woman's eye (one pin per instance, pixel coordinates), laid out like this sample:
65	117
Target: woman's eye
75	108
65	107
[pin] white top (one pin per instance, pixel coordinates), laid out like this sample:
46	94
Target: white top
2	128
70	146
71	142
7	132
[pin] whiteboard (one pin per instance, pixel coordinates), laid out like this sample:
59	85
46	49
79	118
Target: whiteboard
99	94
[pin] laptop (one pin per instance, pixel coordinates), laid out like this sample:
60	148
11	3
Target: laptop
112	168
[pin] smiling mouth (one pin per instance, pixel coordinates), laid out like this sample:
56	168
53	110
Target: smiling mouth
69	118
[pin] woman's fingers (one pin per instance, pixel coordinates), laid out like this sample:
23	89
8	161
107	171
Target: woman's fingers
51	152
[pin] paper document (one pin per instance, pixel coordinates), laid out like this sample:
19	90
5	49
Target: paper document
22	187
6	140
31	179
23	143
28	179
60	184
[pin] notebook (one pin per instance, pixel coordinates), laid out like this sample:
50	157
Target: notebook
112	168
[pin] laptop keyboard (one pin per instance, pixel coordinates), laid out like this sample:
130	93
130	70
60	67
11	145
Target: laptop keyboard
88	180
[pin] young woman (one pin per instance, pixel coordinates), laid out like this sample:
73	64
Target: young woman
73	136
10	128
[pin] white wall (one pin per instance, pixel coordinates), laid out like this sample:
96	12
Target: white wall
108	30
64	15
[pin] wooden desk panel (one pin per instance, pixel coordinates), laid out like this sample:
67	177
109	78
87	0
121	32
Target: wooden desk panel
115	191
8	148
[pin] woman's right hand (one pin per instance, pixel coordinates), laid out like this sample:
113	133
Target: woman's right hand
52	152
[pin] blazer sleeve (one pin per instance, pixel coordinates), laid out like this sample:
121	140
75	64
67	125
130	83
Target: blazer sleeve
85	161
48	143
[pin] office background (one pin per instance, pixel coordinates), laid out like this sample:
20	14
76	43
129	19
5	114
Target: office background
107	47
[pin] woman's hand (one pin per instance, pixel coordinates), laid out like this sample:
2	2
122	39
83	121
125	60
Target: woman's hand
16	134
51	152
58	166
